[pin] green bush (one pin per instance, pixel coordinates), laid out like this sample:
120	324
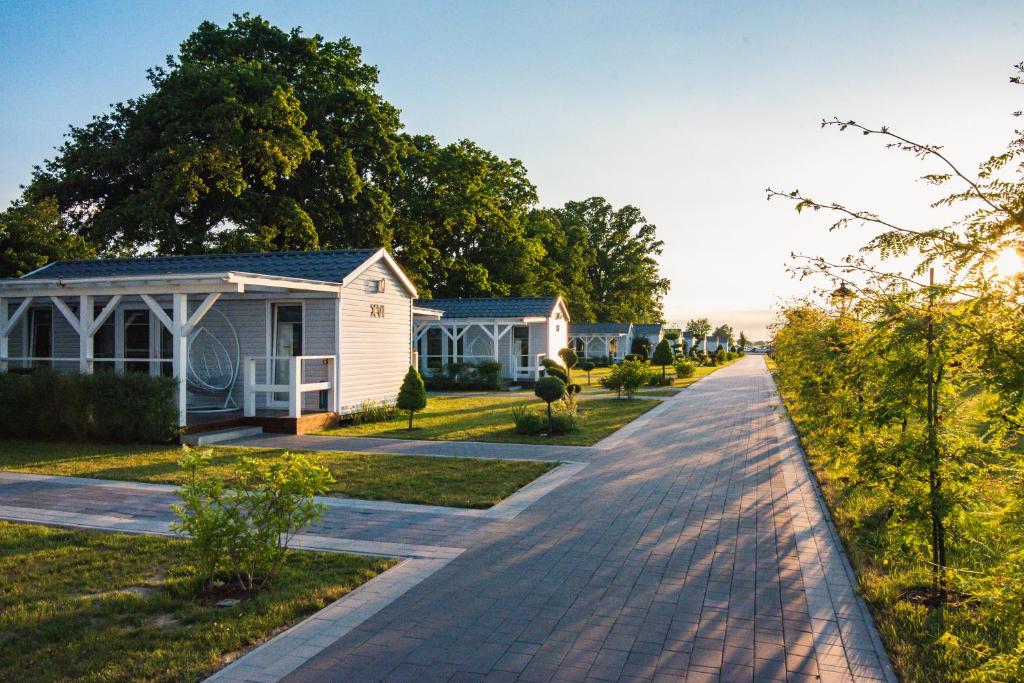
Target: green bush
627	377
563	423
412	395
487	375
527	421
554	369
374	411
241	531
685	368
104	406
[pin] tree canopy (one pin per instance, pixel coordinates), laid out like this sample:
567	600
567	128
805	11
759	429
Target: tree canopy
254	138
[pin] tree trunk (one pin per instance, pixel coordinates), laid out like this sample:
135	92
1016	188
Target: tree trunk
410	419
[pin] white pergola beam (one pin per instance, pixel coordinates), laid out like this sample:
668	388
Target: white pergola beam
85	333
158	311
105	313
67	313
200	312
7	323
179	348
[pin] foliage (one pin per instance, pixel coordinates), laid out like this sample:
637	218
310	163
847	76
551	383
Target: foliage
699	328
554	369
413	394
254	138
907	389
549	389
373	411
684	369
485	375
32	235
663	355
587	366
743	342
83	605
527	420
627	377
104	406
724	332
242	530
640	347
569	361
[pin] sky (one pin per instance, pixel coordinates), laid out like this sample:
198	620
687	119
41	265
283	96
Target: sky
687	110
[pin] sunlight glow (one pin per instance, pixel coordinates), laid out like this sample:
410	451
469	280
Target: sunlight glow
1009	262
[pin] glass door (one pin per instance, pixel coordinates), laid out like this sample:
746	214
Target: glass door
286	341
136	340
521	350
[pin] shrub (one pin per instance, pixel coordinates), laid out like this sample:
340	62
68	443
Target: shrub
635	357
488	375
554	369
569	360
563	423
588	366
572	389
373	411
104	406
627	377
549	389
241	531
484	375
685	368
413	394
663	355
640	347
527	421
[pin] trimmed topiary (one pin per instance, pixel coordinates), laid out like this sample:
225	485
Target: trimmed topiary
413	394
549	389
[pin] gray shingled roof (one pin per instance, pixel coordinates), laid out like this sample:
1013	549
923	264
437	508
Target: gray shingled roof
647	328
327	265
504	307
599	328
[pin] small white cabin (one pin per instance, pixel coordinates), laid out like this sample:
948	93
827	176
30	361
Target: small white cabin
518	332
277	334
601	341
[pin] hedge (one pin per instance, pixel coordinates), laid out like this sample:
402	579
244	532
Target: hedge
105	406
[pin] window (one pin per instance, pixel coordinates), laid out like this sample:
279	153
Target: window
613	347
136	340
578	346
433	355
103	345
40	335
521	345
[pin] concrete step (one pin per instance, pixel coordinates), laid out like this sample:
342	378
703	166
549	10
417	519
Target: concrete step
219	435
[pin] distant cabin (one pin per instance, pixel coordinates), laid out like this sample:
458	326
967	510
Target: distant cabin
517	332
601	341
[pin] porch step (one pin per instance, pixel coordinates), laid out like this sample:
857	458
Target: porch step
219	435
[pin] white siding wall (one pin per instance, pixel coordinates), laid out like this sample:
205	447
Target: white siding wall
375	352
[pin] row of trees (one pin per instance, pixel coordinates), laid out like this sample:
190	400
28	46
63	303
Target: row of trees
258	139
908	386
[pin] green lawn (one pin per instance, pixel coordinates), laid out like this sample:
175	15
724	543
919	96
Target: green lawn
95	606
489	418
451	482
594	387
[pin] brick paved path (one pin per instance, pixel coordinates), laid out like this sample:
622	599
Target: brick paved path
692	548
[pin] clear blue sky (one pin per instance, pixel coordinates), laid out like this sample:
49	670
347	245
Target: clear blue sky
688	110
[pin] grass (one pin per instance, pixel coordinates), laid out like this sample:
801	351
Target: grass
925	644
596	374
451	482
95	606
489	418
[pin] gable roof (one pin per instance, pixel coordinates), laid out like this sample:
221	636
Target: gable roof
599	328
495	307
332	265
647	328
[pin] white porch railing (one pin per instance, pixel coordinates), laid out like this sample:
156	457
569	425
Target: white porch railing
296	386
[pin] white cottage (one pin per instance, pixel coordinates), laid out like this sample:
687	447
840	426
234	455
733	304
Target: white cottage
518	332
285	340
601	341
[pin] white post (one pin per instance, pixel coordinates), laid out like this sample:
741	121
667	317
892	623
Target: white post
332	404
248	393
179	343
294	398
85	334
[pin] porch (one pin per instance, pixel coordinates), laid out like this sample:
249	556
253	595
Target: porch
440	343
163	325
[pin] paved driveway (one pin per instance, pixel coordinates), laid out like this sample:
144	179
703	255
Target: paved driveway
693	547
